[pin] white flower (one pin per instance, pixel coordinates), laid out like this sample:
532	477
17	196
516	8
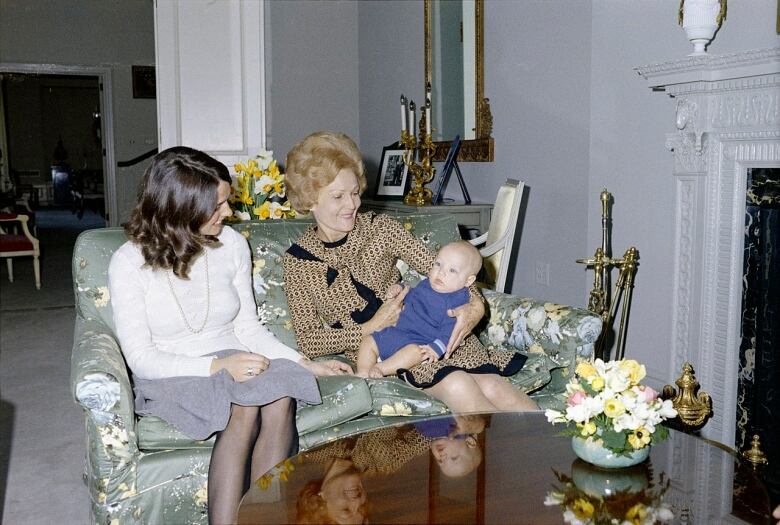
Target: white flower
664	514
496	334
244	216
277	209
536	318
666	410
259	284
264	159
520	337
99	392
553	498
588	329
554	416
626	421
262	182
553	331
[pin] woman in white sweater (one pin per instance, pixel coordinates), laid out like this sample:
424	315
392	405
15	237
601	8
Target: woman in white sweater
186	320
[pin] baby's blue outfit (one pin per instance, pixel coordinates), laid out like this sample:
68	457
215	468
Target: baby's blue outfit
423	321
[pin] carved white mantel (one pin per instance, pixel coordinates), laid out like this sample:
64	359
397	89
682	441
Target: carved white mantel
727	119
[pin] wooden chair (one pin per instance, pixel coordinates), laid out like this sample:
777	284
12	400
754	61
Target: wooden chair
499	239
15	245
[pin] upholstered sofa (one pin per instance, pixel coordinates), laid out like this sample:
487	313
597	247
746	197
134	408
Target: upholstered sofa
143	470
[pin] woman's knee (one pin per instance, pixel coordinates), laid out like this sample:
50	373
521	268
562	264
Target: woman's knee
283	408
243	417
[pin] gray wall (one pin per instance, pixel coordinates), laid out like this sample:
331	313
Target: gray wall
92	33
311	70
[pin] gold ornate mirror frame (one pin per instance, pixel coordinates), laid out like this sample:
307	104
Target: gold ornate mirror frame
479	149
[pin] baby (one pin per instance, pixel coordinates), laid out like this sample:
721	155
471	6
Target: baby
423	328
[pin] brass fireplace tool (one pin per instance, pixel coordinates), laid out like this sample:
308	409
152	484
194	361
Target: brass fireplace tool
418	150
601	300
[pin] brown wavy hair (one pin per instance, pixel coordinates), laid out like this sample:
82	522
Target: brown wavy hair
177	195
315	161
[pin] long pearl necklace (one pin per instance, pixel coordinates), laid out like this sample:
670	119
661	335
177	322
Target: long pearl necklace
208	297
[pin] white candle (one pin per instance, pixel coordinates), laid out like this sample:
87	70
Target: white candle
412	119
403	113
428	118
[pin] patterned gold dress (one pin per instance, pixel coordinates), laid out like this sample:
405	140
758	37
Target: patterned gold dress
333	288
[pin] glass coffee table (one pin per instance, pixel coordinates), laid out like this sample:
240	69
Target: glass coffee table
502	468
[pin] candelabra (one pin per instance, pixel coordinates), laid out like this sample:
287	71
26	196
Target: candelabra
418	151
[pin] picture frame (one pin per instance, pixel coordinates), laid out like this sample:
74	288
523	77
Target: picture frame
144	82
392	181
450	164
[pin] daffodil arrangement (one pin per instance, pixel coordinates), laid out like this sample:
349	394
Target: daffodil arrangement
259	192
606	402
625	507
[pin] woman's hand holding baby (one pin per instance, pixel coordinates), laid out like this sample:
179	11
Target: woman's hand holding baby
466	318
387	315
243	366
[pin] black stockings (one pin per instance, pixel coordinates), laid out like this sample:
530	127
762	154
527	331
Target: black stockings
267	432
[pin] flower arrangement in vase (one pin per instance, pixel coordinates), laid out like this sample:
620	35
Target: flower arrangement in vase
612	418
594	496
259	191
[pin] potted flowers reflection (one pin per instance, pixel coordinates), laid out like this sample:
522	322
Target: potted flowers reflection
612	418
596	496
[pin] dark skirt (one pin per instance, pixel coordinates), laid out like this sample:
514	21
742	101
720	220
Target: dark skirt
200	406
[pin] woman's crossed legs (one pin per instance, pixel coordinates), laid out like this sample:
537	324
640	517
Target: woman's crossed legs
268	432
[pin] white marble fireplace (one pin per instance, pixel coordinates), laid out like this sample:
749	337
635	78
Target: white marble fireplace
727	119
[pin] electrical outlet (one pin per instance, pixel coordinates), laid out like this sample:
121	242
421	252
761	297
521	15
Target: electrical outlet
543	273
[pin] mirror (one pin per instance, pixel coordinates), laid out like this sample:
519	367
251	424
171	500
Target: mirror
454	68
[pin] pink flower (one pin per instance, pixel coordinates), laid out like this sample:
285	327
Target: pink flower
576	398
646	394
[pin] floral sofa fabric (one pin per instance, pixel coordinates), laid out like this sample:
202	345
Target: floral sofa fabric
142	470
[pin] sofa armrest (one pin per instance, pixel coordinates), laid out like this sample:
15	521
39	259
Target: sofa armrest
101	385
562	334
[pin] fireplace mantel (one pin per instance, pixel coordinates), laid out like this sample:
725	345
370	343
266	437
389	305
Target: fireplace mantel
726	120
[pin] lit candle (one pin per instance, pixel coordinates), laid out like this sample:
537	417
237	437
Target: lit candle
403	113
412	118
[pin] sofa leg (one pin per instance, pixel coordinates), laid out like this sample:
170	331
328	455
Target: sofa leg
37	270
10	264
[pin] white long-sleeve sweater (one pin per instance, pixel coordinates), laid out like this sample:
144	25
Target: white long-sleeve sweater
154	338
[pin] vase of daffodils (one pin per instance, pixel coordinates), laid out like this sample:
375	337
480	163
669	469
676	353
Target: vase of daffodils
258	191
612	418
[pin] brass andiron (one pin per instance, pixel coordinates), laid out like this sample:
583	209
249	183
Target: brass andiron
418	152
692	409
755	455
601	300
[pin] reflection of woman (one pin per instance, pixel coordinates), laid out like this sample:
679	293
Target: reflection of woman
337	271
339	496
186	320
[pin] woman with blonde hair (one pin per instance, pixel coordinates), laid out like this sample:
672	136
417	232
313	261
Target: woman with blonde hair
339	272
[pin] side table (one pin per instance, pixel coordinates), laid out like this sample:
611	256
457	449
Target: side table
473	219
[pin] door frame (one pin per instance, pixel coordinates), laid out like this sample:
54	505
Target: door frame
106	98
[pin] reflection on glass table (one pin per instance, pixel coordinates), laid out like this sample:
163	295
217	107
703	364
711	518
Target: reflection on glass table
501	468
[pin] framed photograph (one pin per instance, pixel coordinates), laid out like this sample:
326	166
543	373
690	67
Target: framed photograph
144	82
392	181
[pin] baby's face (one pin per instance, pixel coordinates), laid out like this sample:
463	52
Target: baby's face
456	457
450	270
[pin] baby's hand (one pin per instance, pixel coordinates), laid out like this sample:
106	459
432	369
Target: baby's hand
393	291
428	354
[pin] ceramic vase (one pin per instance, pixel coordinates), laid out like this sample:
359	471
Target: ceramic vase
602	483
700	21
594	452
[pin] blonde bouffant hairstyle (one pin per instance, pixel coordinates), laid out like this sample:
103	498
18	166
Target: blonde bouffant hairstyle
315	161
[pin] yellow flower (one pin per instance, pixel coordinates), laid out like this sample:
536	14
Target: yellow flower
587	429
634	370
536	348
408	226
263	211
238	167
582	508
636	514
273	169
613	408
585	370
251	165
258	265
597	383
640	438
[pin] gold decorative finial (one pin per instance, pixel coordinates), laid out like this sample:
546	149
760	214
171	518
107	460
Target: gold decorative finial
693	409
755	455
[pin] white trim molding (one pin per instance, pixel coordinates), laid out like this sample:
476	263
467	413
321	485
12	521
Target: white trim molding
727	119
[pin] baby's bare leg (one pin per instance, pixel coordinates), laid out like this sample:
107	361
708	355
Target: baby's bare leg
406	357
367	356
